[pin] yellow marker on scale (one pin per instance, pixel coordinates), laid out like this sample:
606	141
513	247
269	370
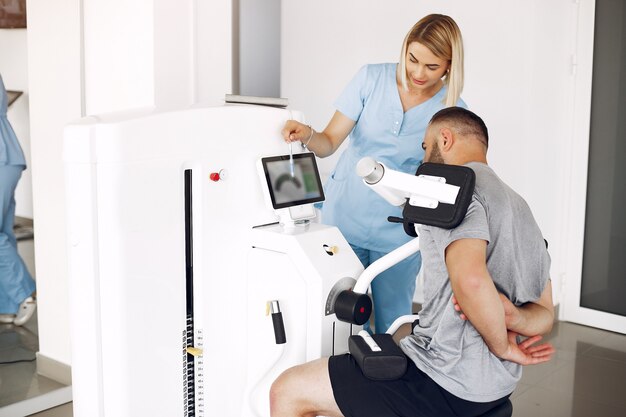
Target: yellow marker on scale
194	351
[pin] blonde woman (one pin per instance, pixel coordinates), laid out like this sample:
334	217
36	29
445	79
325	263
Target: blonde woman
385	109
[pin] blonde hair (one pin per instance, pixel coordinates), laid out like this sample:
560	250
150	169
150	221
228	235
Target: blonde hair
441	35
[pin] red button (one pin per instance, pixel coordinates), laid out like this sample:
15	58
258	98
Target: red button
214	176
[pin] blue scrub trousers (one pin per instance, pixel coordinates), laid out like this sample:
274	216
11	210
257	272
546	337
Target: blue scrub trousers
393	289
16	284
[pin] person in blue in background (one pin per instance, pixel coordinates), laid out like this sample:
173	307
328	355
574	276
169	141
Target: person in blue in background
17	305
385	109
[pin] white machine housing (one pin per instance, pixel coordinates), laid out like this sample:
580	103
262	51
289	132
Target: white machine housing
154	235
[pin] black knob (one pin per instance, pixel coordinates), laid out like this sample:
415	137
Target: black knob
353	307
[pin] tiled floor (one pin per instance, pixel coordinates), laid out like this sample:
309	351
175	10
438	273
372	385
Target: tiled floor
587	378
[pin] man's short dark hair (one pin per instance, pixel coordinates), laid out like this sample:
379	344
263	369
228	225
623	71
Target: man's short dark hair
467	123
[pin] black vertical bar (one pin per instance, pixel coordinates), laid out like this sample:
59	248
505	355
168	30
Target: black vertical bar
188	242
189	291
333	346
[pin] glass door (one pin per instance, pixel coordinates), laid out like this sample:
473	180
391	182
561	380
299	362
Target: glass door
599	299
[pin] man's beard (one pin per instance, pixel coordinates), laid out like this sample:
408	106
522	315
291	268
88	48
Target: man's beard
435	155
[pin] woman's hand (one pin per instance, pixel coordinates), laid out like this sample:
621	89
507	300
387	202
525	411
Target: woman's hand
295	131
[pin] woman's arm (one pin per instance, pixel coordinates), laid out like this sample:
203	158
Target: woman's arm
323	143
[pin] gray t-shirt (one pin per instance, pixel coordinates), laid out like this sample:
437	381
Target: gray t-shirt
450	350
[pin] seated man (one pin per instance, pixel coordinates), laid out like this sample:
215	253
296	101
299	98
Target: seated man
494	267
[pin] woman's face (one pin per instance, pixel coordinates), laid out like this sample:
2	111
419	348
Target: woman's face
423	68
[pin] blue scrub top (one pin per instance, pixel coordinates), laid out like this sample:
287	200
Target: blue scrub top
10	150
386	133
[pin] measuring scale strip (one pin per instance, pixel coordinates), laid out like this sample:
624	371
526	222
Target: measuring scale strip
199	373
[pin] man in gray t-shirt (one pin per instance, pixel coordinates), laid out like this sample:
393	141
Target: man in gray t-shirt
486	283
449	350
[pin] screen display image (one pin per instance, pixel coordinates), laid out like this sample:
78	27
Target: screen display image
287	190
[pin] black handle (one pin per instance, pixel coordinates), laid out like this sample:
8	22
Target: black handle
279	328
409	227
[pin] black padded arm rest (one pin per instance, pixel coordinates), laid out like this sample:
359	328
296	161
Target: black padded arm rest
388	364
447	216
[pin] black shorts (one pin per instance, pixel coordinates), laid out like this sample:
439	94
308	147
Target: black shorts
413	395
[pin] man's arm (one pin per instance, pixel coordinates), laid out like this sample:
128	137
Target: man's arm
529	319
532	318
466	260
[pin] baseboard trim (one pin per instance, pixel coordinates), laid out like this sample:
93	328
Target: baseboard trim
53	369
39	403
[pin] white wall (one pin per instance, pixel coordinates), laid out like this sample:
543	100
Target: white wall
518	78
259	48
14	70
54	58
118	55
88	57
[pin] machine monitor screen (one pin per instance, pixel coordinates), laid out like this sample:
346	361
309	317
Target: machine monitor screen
287	188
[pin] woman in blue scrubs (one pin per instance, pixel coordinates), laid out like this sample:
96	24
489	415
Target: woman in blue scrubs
16	285
385	109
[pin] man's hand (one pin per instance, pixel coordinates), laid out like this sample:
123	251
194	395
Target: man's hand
524	353
457	308
528	319
512	315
